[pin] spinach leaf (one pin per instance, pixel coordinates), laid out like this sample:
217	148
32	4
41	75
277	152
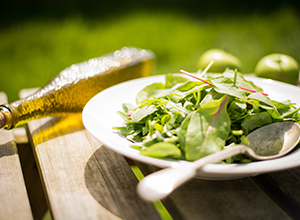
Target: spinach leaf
181	90
148	91
263	101
225	85
208	129
128	107
276	109
255	121
241	81
143	112
282	110
162	150
237	110
172	80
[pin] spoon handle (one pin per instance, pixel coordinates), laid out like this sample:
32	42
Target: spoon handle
160	184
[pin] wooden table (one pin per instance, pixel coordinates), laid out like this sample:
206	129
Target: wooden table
81	179
14	202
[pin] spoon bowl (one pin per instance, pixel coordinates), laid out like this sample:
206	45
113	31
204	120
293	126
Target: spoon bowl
268	142
273	141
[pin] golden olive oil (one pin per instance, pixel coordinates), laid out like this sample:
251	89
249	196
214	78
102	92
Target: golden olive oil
72	88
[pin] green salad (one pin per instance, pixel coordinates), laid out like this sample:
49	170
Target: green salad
190	119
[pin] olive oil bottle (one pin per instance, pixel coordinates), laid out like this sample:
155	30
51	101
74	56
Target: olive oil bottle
72	88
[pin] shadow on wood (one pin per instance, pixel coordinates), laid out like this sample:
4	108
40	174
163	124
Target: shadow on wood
33	182
112	183
8	149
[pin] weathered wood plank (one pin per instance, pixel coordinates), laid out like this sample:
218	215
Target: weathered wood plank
283	188
84	180
31	174
33	183
202	199
14	203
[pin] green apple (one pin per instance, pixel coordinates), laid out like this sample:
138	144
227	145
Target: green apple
279	67
222	60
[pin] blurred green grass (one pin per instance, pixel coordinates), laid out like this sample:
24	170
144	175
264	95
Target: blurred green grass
37	41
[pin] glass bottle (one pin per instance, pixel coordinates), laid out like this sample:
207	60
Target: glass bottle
72	88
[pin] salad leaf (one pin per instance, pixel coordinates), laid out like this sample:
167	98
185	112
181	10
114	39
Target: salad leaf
208	129
172	80
141	113
225	85
283	110
148	91
162	150
237	110
255	121
189	119
241	81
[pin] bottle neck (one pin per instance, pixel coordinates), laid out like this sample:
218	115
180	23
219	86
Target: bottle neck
11	118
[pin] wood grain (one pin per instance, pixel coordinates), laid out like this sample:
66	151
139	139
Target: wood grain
83	179
33	183
203	199
283	188
14	202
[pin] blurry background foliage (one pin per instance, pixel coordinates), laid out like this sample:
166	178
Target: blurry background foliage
38	39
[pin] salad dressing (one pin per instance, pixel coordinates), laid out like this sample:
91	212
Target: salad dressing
72	88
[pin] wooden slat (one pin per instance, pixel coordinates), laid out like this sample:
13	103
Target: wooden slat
33	183
283	188
202	199
14	203
83	179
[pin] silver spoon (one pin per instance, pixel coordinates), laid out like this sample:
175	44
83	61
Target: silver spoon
268	142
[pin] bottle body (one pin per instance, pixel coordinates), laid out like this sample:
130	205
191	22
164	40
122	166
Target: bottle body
76	85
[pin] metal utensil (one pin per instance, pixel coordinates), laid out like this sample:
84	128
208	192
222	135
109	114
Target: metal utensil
268	142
